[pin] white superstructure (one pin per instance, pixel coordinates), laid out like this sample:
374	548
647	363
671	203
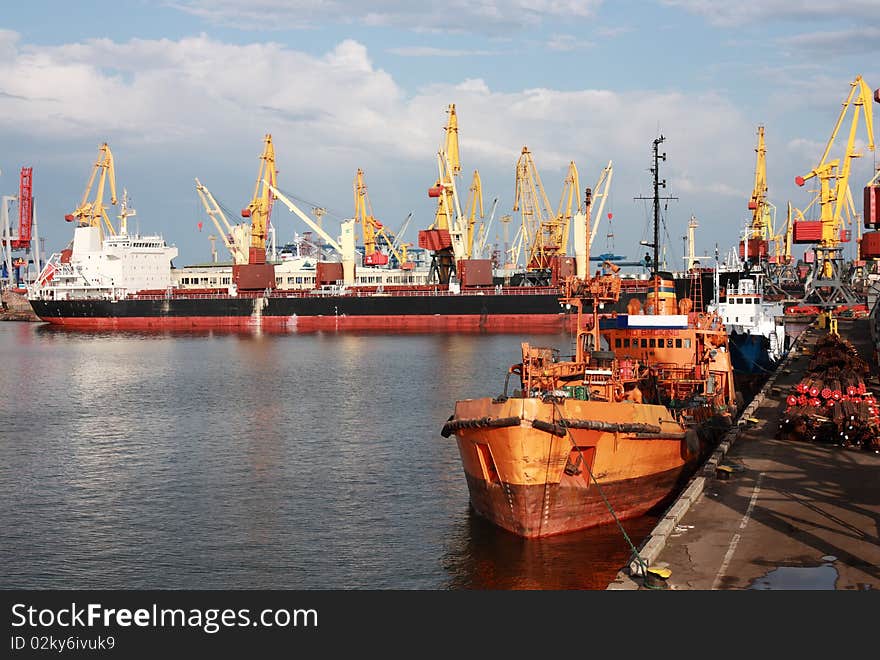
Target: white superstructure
108	269
297	273
744	311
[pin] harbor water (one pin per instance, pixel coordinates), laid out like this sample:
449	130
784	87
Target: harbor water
242	461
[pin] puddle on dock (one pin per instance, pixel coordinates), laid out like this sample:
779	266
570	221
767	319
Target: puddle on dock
798	577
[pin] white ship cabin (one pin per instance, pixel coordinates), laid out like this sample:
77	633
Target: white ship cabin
110	269
296	273
744	305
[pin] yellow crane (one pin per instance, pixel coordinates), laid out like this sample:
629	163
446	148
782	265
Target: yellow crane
260	207
94	213
545	232
832	174
445	237
834	200
374	232
370	227
570	197
534	207
474	203
761	230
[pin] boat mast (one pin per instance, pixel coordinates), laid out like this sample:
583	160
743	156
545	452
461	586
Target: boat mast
657	185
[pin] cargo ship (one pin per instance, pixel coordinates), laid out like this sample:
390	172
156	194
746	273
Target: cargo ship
607	434
109	279
124	282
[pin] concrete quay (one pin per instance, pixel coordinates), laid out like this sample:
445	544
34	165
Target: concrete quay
767	513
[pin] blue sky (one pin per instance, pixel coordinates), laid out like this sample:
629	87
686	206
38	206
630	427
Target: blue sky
187	88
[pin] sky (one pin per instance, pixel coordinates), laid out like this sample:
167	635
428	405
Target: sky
181	89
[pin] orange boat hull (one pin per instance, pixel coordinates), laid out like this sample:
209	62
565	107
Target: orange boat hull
535	477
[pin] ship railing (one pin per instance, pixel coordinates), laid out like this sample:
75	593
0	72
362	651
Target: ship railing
194	293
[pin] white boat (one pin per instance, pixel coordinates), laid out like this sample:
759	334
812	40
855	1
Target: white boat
756	326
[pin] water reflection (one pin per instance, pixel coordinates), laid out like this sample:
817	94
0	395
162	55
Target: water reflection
483	556
231	460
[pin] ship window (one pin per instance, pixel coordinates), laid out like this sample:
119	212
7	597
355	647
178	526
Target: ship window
617	343
678	343
490	472
653	343
669	343
626	343
687	343
736	319
644	343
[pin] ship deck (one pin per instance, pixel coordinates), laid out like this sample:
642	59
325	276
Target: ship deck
788	515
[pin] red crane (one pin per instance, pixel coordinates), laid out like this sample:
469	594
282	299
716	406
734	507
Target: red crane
25	210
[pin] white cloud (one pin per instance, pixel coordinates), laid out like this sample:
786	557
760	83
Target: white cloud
172	110
467	16
839	42
567	43
609	32
723	12
428	51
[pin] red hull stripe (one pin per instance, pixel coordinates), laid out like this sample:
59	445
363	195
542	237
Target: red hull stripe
427	323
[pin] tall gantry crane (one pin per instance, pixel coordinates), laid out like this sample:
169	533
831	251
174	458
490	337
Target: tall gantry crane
25	238
260	208
753	247
93	213
545	232
446	236
827	288
375	234
537	216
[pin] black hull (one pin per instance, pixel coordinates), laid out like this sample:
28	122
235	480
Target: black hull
421	310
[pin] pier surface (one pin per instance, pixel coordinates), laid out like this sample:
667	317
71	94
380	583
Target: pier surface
778	514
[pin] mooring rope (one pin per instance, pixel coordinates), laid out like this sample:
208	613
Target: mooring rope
635	552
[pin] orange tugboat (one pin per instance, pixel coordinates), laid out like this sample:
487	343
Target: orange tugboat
612	432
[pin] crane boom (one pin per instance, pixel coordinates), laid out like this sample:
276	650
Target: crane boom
232	239
570	195
601	190
484	230
311	223
93	213
475	203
